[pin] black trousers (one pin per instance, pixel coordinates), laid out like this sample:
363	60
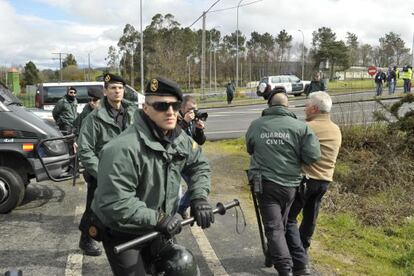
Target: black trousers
274	203
91	184
308	198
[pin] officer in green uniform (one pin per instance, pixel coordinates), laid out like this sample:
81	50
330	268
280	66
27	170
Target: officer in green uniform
65	111
104	123
278	144
94	98
138	186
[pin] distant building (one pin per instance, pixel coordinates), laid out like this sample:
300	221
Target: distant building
13	81
354	72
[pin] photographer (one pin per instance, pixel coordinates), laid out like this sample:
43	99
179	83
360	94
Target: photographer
192	122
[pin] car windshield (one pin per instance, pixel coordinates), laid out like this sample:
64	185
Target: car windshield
7	97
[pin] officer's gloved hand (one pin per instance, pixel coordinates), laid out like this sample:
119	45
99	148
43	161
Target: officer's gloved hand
169	225
202	212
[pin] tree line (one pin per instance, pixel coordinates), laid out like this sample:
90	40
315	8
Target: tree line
175	51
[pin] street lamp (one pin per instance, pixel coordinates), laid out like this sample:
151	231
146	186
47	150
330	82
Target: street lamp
412	49
303	54
214	53
237	45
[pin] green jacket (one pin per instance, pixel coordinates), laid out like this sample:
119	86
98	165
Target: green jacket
138	176
97	129
78	121
278	144
64	112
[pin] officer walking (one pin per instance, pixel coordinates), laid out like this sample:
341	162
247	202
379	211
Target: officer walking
104	123
94	98
138	183
195	129
278	144
315	183
65	111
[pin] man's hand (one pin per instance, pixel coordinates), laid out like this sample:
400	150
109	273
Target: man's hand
199	124
169	225
189	116
202	212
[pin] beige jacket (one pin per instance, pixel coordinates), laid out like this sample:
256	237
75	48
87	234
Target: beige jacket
330	139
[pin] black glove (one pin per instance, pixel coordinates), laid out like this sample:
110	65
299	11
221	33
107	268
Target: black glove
169	225
202	212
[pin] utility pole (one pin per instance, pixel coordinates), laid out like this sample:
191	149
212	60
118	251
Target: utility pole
141	48
89	66
203	55
303	54
60	62
237	46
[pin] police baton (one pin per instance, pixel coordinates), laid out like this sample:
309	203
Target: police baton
220	209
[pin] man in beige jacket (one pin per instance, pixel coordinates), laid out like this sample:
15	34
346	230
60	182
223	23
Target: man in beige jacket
317	177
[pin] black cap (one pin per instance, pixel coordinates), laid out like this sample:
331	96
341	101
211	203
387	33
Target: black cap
160	86
275	91
95	92
111	78
72	88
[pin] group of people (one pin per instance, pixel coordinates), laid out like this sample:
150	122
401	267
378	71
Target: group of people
295	162
391	77
134	161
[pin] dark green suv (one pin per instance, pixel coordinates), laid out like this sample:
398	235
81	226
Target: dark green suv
29	149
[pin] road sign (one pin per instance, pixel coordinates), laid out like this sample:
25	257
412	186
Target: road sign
372	70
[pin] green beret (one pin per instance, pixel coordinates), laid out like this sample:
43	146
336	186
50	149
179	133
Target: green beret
95	92
111	78
160	86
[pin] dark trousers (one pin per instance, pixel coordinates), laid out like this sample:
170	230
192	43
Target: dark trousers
308	199
274	204
92	184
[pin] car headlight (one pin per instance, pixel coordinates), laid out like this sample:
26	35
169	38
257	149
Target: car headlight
55	147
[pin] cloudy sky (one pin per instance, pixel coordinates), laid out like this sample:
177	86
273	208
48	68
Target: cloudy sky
35	29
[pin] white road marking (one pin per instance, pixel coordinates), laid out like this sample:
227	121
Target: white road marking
225	131
74	261
208	253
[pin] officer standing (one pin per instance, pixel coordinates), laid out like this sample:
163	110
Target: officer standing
230	92
94	98
65	111
278	144
138	184
104	123
195	129
318	175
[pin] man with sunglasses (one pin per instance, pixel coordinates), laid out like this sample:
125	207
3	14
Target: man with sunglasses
65	111
104	123
138	187
278	144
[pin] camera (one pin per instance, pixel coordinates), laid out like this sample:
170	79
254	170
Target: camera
200	115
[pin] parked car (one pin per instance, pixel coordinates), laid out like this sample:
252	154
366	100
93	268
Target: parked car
29	149
291	83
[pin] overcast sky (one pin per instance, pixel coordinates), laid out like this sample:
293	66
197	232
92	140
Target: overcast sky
35	29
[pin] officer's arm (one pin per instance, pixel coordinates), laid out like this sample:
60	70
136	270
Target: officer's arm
115	197
56	111
88	136
310	147
198	169
249	141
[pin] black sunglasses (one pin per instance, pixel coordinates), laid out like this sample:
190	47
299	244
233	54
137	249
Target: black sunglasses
93	99
164	106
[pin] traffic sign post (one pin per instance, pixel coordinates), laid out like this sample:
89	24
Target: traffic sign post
372	70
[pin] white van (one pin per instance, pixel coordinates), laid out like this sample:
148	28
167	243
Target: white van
48	93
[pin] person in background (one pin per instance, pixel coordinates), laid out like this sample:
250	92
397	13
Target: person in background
65	111
380	78
94	98
278	144
391	80
230	92
315	183
195	129
315	85
406	75
104	123
138	187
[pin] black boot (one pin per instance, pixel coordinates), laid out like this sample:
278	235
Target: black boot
300	271
285	273
89	246
268	260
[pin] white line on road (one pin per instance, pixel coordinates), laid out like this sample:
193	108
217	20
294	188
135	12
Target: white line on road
207	251
225	131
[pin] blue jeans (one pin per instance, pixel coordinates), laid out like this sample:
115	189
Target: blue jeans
379	88
406	85
185	199
391	87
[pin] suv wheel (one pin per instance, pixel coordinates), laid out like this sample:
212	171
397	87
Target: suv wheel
11	189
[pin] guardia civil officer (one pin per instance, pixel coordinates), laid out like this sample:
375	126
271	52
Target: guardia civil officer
138	183
278	144
94	98
104	123
65	111
315	183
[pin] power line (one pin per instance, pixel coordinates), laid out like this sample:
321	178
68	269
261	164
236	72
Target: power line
235	7
204	13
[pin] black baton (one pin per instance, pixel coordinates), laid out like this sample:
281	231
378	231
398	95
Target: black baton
220	209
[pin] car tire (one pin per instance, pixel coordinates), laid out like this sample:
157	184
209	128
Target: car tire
297	94
12	189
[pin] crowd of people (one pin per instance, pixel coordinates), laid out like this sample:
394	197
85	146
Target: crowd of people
390	77
134	161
